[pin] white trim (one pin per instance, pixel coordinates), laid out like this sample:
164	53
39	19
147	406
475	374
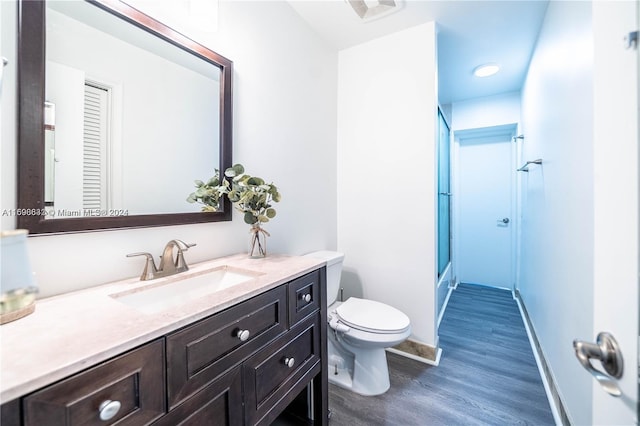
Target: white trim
444	304
547	388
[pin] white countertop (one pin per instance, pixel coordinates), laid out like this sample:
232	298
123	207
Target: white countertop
73	331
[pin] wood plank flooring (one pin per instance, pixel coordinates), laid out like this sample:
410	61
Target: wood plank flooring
487	373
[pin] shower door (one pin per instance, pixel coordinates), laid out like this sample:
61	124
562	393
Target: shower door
444	195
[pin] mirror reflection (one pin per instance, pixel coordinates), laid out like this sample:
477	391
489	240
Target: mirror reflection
131	120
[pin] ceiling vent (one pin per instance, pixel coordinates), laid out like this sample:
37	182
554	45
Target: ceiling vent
369	9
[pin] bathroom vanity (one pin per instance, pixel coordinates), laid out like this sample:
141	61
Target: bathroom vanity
252	353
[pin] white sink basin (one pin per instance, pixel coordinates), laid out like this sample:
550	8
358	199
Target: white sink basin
183	288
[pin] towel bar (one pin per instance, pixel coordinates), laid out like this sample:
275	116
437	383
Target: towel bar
525	168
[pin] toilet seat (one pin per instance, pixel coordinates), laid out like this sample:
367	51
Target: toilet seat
372	316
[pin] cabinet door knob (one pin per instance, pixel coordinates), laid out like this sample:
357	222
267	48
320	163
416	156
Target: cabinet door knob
306	297
289	362
108	409
243	335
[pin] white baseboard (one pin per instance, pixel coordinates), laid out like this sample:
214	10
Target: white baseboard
444	305
549	387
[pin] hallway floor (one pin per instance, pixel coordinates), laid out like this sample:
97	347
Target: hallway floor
487	373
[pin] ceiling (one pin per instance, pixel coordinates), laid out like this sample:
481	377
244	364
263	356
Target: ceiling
470	33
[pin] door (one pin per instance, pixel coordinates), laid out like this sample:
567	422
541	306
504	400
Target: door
616	203
484	206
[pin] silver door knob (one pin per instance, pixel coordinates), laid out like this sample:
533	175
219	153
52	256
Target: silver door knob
289	362
607	351
504	220
306	297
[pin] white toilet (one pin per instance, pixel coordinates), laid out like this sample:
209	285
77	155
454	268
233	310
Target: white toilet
359	331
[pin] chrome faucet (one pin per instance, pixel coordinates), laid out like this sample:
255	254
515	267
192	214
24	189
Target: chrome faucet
168	266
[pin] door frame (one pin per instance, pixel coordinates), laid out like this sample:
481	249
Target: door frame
508	131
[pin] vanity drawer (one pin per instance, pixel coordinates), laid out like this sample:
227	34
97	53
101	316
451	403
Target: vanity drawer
199	353
304	296
276	374
135	380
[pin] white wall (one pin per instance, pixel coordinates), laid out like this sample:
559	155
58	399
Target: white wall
556	279
387	115
64	87
487	111
285	86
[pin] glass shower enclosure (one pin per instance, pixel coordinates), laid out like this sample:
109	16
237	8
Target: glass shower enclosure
444	194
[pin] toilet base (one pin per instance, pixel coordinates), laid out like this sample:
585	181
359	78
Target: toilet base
340	377
363	371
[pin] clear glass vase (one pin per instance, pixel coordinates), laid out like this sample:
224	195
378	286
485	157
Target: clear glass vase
257	241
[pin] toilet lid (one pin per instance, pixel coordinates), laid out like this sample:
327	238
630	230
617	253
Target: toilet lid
372	316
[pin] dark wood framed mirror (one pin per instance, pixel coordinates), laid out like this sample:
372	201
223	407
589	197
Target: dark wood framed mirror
52	202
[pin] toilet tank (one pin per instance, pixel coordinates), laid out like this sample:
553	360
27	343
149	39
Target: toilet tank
334	270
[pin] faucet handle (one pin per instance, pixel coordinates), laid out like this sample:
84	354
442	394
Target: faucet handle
180	263
141	253
182	245
150	270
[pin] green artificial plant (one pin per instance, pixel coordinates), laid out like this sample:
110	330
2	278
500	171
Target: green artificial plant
208	194
250	195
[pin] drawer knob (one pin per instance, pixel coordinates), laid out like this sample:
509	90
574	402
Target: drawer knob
109	409
289	362
243	335
306	297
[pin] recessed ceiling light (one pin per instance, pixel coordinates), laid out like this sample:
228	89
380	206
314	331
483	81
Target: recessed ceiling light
486	70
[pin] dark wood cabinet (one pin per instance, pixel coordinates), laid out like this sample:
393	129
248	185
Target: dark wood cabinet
219	403
304	296
10	414
242	366
275	375
201	352
132	383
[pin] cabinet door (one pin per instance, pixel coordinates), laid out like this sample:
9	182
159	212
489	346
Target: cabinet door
220	404
133	385
304	296
275	375
199	353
